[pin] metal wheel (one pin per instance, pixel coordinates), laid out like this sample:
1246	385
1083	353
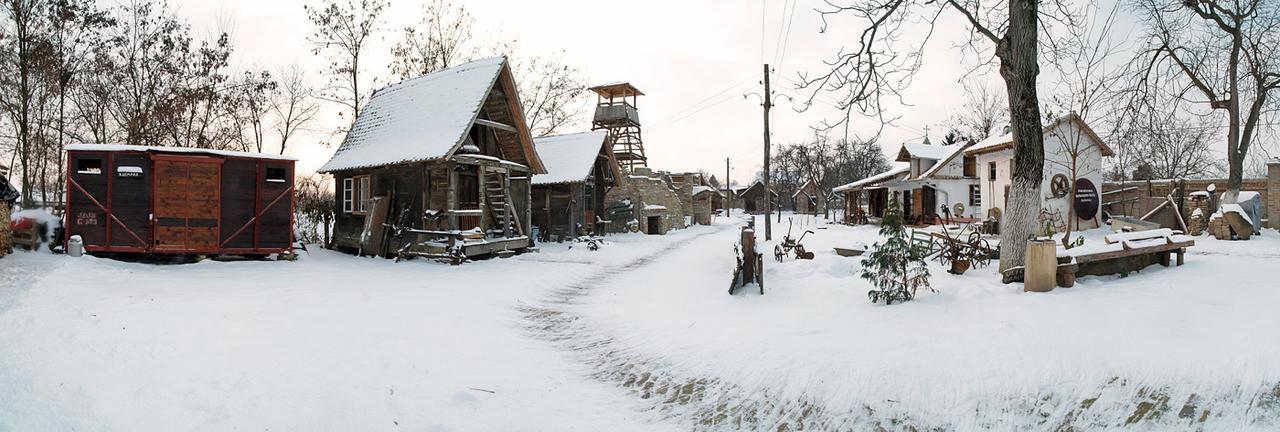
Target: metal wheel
779	253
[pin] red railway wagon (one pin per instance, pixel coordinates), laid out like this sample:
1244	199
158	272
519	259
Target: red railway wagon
126	198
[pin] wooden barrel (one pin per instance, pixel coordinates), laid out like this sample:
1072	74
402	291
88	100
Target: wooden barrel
1042	266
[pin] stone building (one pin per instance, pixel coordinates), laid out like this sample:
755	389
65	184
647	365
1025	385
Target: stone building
656	206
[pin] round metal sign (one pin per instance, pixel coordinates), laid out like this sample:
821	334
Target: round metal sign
1086	203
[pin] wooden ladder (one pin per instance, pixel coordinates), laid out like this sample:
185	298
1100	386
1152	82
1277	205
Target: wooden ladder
500	208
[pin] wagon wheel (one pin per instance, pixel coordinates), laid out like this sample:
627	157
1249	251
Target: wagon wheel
982	253
1060	185
974	238
779	253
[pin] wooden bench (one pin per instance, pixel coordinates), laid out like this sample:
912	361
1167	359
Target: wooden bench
1137	251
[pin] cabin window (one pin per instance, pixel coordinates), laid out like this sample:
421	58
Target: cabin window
975	196
277	175
363	194
991	171
89	166
348	192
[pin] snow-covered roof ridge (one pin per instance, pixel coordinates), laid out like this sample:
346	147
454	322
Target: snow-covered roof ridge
568	157
898	169
418	119
162	149
929	151
953	151
1005	141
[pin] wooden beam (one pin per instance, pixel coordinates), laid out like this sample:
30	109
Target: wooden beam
496	125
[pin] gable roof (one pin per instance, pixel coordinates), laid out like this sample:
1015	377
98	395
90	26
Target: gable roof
748	189
571	157
925	151
899	169
428	117
956	150
1004	142
802	187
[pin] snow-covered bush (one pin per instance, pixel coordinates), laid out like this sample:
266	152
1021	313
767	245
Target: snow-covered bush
895	268
313	209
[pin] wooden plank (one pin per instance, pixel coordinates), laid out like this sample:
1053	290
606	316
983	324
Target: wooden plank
1134	252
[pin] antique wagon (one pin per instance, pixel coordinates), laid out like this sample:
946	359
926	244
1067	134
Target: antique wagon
137	199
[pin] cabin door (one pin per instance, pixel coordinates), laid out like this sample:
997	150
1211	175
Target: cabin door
186	203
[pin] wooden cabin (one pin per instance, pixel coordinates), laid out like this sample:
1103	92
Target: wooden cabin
126	198
809	199
753	198
569	200
449	153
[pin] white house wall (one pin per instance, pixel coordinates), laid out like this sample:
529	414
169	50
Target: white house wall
1057	161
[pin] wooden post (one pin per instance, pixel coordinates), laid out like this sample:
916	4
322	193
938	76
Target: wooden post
453	194
1041	270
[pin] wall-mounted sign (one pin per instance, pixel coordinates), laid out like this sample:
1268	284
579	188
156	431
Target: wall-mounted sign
1086	203
129	171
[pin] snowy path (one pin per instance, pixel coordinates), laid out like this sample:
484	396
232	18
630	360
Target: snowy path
1188	347
328	343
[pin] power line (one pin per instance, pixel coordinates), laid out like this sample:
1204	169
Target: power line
724	99
786	36
713	95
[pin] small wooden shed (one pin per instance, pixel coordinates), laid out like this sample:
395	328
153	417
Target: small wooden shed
569	200
127	198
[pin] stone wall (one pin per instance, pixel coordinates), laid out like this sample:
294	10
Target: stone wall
650	195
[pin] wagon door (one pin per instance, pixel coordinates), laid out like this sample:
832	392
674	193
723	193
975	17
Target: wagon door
186	203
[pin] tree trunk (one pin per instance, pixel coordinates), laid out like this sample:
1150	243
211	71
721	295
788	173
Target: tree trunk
1019	67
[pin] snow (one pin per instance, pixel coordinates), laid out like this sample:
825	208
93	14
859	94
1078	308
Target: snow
335	342
654	207
183	150
329	342
898	168
417	119
1232	208
568	157
1139	235
951	152
704	189
992	141
930	151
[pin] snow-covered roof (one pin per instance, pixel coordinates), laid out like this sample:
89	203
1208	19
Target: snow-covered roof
418	119
703	189
1001	142
953	151
568	157
899	168
926	151
188	150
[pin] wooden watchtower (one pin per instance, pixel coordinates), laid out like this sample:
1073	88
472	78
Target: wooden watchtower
616	113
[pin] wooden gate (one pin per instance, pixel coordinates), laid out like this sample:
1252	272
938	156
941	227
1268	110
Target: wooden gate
186	203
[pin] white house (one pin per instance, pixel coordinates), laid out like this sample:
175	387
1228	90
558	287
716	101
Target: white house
1073	155
924	178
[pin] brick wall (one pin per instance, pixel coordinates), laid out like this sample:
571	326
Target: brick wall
1136	198
647	190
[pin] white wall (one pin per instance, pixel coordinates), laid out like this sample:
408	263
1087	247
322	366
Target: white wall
1057	160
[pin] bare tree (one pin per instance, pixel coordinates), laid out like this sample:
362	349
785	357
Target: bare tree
342	29
250	105
551	93
21	61
882	63
295	105
985	111
441	40
1226	51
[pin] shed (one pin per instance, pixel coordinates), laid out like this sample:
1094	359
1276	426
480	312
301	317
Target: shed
139	199
569	200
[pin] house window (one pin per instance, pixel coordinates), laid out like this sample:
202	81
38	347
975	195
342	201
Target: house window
970	167
991	171
363	192
975	196
347	193
89	166
277	175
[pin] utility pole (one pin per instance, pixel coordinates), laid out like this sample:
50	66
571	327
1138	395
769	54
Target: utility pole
727	190
768	197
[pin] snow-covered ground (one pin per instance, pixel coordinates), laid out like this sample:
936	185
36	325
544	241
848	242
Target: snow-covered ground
640	335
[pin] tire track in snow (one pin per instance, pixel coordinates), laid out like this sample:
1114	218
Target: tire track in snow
706	403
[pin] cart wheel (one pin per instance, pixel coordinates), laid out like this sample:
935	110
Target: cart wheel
974	237
778	253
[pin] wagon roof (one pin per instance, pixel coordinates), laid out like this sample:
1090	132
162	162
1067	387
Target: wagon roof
183	150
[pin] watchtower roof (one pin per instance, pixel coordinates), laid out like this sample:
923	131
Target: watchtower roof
616	89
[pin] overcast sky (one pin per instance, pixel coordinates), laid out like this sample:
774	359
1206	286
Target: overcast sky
695	60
